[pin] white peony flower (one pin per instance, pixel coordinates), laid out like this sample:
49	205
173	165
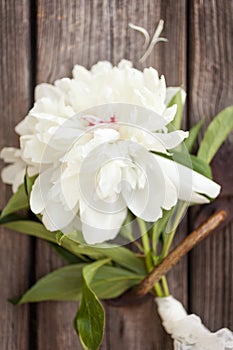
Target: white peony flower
94	163
109	167
57	103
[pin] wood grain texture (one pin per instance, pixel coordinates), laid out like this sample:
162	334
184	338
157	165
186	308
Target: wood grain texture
210	90
14	103
135	327
85	32
67	35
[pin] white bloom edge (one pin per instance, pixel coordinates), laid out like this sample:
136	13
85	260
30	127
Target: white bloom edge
188	331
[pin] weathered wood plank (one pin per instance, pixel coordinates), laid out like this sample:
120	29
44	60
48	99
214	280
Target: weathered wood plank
84	32
135	327
139	327
67	35
14	103
210	90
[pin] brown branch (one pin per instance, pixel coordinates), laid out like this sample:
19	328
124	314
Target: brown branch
183	248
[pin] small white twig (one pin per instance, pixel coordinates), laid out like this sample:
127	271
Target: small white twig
154	40
143	31
147	43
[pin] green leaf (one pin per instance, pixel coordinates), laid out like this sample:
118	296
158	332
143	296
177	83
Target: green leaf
126	258
216	134
90	270
73	254
158	228
190	161
69	257
111	281
77	236
201	166
10	218
28	183
62	284
177	121
77	249
18	201
59	236
89	321
193	135
81	341
194	163
176	214
127	227
120	255
38	230
31	228
65	284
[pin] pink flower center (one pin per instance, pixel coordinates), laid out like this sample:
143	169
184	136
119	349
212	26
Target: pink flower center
92	120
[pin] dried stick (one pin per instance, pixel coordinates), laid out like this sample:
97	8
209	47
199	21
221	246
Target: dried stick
183	248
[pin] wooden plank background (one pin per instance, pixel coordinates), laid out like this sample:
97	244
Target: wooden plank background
40	42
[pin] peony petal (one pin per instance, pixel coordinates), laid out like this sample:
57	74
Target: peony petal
170	194
24	127
109	179
10	154
93	235
124	64
172	91
55	217
48	91
40	191
142	205
101	67
106	135
172	139
37	152
143	137
8	174
19	179
32	171
188	181
69	187
98	227
151	79
169	114
147	202
80	73
14	175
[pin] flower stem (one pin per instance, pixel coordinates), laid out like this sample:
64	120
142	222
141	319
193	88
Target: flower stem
180	209
168	243
183	248
155	233
147	252
139	246
165	286
158	290
145	238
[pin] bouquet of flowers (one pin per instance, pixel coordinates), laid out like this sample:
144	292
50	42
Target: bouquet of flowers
105	174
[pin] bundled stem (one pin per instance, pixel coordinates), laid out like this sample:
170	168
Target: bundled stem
182	249
147	251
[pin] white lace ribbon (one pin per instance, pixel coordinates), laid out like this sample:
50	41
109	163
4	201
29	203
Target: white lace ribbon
188	331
